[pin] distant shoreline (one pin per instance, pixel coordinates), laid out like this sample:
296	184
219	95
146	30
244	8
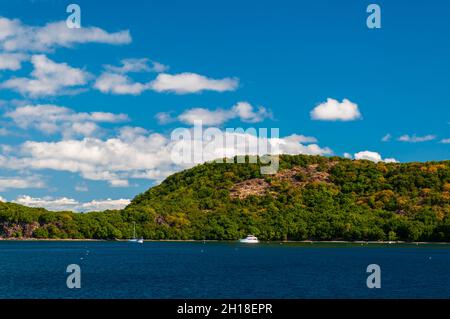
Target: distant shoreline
230	241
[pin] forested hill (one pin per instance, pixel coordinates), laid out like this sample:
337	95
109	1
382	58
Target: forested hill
311	197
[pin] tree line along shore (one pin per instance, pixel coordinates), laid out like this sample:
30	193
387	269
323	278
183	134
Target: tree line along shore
310	198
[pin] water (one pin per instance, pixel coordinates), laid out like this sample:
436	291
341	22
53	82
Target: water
222	270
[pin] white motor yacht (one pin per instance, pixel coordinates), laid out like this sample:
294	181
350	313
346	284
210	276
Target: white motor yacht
250	239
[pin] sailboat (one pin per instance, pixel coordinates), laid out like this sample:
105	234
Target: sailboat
134	239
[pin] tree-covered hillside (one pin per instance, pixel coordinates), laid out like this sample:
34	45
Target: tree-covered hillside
311	197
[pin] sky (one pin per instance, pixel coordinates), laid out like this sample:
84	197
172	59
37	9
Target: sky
86	115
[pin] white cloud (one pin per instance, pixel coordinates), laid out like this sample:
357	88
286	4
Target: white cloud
5	149
333	110
247	114
2	199
70	204
113	160
292	145
416	139
158	67
20	182
8	27
302	139
11	61
368	155
373	156
47	78
116	83
242	110
348	155
137	154
386	138
81	129
137	65
81	188
4	131
164	118
119	183
58	204
129	65
207	117
445	141
101	205
52	119
191	83
130	133
16	36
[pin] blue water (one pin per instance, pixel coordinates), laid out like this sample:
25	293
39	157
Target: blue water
222	270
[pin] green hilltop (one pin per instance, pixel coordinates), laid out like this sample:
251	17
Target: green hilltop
309	198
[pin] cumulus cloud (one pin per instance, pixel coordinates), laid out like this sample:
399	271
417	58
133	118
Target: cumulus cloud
119	183
390	160
302	139
117	83
158	67
295	144
164	118
373	156
184	83
20	182
445	141
333	110
111	160
70	204
207	117
137	154
4	131
16	36
246	112
52	119
416	139
11	61
129	133
137	65
81	188
48	78
348	155
242	110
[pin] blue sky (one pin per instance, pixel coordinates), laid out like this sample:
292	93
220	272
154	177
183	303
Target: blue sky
71	114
